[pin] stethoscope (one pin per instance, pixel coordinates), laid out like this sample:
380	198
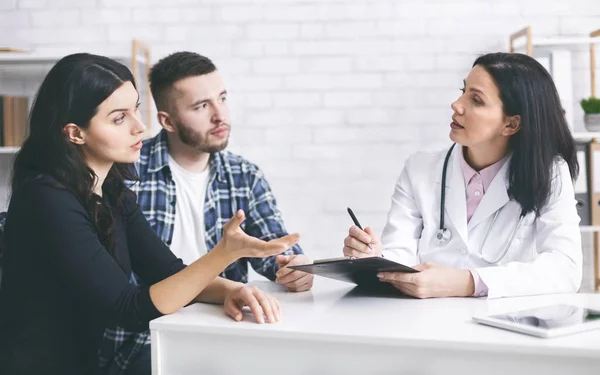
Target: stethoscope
443	235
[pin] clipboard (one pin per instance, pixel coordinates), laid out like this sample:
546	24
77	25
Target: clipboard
362	271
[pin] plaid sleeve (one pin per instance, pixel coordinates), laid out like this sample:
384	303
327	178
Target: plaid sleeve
264	221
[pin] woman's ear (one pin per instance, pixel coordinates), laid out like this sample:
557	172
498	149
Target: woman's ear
74	134
512	125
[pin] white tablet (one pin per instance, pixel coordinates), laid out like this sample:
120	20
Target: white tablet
546	321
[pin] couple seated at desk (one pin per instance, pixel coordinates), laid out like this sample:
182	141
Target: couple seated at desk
87	267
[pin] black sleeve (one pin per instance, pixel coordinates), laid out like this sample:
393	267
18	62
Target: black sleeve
151	259
67	238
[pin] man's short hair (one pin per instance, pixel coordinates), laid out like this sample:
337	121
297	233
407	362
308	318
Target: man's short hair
173	68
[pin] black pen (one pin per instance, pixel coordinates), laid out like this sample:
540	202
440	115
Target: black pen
355	220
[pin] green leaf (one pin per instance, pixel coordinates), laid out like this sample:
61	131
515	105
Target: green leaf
590	105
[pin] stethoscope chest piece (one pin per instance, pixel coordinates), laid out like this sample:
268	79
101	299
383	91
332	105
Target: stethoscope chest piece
443	236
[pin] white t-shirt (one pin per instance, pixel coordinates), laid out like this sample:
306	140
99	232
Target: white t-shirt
188	233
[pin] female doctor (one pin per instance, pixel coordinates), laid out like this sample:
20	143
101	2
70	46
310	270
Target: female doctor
493	215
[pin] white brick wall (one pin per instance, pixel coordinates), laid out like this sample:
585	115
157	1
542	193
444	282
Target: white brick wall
329	97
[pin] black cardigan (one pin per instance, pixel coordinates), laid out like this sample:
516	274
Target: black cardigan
61	288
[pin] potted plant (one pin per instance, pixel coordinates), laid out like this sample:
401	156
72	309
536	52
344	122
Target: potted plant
591	108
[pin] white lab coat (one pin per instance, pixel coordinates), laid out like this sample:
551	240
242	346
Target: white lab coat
545	255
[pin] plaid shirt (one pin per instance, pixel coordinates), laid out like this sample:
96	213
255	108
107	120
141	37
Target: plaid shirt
234	184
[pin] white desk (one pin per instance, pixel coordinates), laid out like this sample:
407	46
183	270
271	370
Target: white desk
335	331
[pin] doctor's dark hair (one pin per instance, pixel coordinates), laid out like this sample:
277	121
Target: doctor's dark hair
527	89
175	67
71	93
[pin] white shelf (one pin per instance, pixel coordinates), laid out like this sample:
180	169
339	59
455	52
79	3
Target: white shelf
45	57
520	43
9	150
585	136
589	228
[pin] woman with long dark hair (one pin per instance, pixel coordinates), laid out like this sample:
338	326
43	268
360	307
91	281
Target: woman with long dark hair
76	242
494	215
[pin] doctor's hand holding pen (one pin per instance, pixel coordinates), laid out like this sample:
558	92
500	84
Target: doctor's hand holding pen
361	243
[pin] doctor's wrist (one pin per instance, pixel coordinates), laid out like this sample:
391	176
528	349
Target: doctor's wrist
469	283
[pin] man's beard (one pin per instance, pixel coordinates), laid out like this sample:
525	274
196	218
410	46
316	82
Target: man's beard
198	141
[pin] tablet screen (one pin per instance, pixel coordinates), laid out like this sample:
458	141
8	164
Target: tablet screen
554	316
